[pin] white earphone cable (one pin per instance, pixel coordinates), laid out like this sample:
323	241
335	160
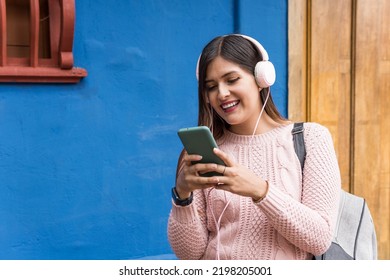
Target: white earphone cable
258	119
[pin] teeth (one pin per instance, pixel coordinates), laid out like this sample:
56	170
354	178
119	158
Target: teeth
229	105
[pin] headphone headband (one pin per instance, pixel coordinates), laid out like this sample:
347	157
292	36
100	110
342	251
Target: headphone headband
261	49
264	70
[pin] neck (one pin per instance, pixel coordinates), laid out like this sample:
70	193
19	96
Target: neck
265	124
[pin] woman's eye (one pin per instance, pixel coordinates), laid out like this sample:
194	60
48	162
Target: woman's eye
211	87
233	80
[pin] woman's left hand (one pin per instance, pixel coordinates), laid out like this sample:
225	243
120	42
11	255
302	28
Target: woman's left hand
239	179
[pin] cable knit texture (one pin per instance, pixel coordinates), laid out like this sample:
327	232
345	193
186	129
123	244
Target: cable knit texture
294	221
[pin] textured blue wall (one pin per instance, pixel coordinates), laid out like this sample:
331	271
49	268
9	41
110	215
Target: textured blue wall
86	169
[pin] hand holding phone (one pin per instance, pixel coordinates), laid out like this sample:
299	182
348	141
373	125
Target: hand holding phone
199	140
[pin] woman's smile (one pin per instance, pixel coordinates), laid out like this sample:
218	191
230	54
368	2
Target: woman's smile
230	106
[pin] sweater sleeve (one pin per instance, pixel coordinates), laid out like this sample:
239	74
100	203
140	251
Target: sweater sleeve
187	228
309	223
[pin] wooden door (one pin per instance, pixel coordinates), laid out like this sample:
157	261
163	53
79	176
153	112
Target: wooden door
339	76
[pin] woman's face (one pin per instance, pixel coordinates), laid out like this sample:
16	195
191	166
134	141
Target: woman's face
233	94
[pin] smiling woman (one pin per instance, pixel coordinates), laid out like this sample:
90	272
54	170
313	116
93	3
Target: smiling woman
234	95
255	64
260	207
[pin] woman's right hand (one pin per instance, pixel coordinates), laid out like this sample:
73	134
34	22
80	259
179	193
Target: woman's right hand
189	178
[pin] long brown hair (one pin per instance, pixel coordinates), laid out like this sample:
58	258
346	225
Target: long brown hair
238	50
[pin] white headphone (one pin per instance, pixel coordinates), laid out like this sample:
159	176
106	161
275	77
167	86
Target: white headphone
264	70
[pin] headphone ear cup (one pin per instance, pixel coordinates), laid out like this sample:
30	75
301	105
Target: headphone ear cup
265	74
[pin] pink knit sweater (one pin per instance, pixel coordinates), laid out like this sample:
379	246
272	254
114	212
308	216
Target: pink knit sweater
295	219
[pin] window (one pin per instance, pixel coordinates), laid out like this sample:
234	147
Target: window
36	41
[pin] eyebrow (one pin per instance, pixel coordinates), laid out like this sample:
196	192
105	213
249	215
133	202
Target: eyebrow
223	76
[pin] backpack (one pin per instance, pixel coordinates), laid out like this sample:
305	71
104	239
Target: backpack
354	237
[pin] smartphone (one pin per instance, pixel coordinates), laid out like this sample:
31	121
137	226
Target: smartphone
198	140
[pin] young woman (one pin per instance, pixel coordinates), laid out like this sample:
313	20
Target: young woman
262	206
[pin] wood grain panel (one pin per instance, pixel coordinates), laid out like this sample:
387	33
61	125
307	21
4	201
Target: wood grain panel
342	74
330	87
384	89
297	66
372	114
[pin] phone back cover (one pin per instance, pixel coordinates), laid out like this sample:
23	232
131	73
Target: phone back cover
199	140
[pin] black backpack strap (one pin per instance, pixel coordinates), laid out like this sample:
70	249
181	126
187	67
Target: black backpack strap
299	142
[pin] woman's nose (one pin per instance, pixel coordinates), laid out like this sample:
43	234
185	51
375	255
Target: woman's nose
223	92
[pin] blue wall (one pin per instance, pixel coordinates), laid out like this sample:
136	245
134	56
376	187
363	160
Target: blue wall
86	169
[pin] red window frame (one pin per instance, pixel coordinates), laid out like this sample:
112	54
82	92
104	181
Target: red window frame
56	69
